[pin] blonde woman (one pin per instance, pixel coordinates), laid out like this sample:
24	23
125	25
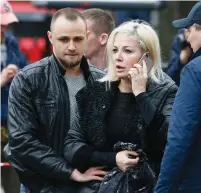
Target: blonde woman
130	105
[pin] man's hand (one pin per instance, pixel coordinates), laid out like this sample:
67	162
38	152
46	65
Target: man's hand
93	173
185	55
8	73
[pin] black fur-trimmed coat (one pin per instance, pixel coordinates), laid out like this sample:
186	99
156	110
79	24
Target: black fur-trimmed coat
94	103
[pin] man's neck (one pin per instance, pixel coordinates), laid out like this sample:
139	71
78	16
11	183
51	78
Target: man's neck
75	71
98	60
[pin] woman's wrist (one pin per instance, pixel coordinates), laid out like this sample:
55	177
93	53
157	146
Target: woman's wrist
136	93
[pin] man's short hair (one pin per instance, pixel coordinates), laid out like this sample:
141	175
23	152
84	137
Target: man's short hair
102	20
68	13
197	26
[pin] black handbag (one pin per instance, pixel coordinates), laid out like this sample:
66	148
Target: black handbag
139	179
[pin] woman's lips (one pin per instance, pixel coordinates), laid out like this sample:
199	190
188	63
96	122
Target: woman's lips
120	68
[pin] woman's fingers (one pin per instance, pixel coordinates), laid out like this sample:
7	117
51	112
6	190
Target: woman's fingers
133	153
133	72
139	68
133	158
133	162
144	67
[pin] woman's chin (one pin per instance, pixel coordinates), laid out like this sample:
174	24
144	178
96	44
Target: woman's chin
122	75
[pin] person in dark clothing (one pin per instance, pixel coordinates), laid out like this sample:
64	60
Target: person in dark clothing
11	61
180	168
42	107
10	65
131	104
181	53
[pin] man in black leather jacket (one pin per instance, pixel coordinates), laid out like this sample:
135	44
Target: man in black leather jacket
42	106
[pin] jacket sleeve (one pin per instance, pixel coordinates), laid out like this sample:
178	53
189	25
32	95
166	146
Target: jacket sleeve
157	125
25	146
23	61
21	56
15	56
163	118
80	154
183	131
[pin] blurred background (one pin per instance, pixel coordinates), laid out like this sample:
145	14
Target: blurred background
34	21
34	18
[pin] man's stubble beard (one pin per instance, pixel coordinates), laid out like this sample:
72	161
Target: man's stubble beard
69	64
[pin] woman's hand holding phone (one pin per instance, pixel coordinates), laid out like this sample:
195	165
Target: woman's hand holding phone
139	76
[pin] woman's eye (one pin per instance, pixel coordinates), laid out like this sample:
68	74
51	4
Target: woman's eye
114	50
128	51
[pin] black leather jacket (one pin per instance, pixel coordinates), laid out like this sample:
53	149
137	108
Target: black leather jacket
39	119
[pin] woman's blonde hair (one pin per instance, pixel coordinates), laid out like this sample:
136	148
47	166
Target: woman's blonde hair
149	42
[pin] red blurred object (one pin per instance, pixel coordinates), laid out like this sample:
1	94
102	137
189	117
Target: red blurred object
33	48
4	164
33	45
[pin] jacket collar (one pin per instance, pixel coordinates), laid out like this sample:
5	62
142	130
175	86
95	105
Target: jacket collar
61	71
196	54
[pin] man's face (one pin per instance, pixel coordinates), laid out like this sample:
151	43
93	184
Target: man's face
194	38
69	40
93	41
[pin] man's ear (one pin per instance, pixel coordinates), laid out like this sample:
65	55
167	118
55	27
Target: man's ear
103	39
49	34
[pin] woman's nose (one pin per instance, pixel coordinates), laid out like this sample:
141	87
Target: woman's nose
119	57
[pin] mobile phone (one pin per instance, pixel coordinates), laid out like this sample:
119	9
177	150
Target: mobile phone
148	61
